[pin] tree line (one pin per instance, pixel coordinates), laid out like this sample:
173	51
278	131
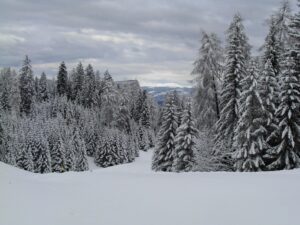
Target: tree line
55	125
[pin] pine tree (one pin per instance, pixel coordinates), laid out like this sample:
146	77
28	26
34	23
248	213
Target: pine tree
24	158
208	69
164	151
43	89
145	115
106	154
269	94
57	152
26	86
89	87
237	53
62	80
39	149
287	153
78	83
142	139
249	140
282	20
184	154
79	149
91	138
70	164
294	34
6	86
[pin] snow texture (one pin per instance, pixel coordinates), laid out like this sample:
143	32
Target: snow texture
132	194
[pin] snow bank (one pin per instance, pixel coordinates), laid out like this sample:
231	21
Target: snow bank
134	195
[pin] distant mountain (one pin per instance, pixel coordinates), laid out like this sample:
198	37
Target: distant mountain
159	93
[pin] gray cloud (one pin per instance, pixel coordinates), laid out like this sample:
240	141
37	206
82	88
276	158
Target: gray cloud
151	40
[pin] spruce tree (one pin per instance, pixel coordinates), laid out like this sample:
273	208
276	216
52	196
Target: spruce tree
294	34
78	83
237	54
145	115
79	148
184	154
24	158
62	80
164	151
38	146
89	85
287	153
43	89
6	89
208	68
249	139
106	153
57	152
26	86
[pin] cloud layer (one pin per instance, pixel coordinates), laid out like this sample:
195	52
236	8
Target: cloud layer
154	41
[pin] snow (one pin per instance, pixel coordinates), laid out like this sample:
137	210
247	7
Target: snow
132	194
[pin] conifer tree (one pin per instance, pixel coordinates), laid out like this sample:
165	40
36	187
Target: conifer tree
39	149
184	154
282	20
79	149
294	34
24	158
287	153
26	86
89	86
164	151
270	79
249	140
6	86
106	154
57	152
78	80
43	89
208	69
237	54
62	80
145	115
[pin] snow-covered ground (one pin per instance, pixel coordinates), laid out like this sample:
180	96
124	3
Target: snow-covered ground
134	195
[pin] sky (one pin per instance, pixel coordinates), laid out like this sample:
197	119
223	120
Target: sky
153	41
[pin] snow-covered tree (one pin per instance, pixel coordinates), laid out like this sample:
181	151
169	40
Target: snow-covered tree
57	151
145	115
287	153
77	83
43	88
282	20
237	53
89	85
106	154
38	146
164	150
62	79
294	34
208	68
79	149
249	139
184	154
24	158
26	86
6	88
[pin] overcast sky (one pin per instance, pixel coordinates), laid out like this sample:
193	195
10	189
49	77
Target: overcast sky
154	41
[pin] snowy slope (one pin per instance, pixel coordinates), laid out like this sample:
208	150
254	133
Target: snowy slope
133	195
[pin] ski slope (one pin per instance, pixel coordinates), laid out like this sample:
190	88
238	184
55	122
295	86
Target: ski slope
134	195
